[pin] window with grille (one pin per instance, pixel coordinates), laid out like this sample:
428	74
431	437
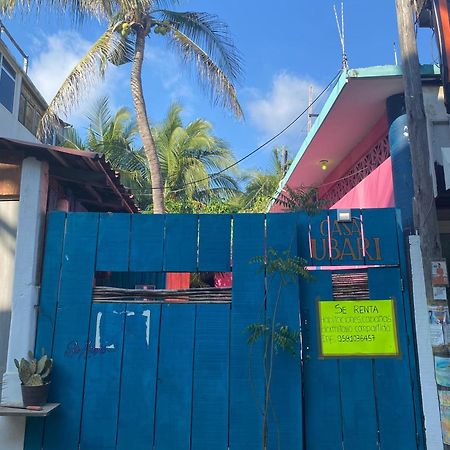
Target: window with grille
30	110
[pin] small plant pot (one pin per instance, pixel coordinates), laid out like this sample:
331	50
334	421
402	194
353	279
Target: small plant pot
35	395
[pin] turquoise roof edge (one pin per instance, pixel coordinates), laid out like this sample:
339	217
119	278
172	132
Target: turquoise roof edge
365	72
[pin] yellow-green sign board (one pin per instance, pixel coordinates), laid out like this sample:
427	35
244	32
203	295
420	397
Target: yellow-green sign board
363	328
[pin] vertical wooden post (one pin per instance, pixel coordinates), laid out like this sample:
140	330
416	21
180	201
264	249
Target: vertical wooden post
425	218
424	208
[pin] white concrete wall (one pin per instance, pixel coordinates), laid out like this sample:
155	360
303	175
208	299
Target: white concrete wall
428	386
29	242
10	127
9	213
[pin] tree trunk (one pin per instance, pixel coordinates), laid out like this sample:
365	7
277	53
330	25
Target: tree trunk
144	125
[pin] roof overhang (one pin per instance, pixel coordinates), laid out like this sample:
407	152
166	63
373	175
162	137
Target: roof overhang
88	174
355	105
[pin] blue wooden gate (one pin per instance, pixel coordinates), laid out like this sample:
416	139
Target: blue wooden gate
181	376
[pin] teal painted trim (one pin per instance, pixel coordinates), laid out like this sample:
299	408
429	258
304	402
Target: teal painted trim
390	71
331	100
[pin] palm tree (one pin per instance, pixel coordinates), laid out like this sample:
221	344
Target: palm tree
114	135
189	155
201	38
261	186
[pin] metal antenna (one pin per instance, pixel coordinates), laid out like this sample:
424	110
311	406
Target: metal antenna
395	54
310	107
341	31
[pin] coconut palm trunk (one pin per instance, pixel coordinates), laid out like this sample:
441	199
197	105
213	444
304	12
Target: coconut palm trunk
143	123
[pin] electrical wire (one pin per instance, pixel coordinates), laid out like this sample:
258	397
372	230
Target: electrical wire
264	144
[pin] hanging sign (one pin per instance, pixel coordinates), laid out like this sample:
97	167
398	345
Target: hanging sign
357	328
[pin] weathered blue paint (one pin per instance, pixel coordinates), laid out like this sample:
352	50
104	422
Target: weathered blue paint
54	243
285	393
214	243
394	395
321	408
248	307
211	381
379	224
146	244
182	376
174	389
409	327
113	242
180	243
72	325
102	379
138	380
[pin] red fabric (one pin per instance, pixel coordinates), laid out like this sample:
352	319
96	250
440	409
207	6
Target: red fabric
179	280
375	191
223	279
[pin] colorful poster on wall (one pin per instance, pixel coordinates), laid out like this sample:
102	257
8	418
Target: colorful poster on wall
439	276
439	325
359	328
442	370
440	293
444	403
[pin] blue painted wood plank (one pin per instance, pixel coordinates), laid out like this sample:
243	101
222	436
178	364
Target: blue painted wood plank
346	239
393	391
284	412
320	239
54	242
211	382
409	326
139	373
102	379
71	331
303	242
359	414
174	386
380	231
113	242
146	242
214	243
180	245
322	410
248	307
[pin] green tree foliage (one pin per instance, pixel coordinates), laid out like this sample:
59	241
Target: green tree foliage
187	154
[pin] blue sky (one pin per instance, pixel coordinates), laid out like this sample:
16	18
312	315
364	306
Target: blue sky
286	46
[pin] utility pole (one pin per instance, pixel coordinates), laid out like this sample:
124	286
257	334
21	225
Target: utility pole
425	217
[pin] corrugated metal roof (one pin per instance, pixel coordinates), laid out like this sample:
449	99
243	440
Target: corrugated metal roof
89	173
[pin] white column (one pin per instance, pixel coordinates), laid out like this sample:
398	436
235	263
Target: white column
29	243
428	386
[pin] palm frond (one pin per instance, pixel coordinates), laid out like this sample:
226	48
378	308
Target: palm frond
211	34
73	140
301	199
84	76
77	9
211	75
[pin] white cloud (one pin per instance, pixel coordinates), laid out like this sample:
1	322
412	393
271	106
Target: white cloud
168	68
273	110
54	58
57	55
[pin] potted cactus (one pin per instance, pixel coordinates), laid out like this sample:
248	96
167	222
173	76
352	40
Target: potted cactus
33	374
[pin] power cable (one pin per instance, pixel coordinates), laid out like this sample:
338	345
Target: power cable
215	174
